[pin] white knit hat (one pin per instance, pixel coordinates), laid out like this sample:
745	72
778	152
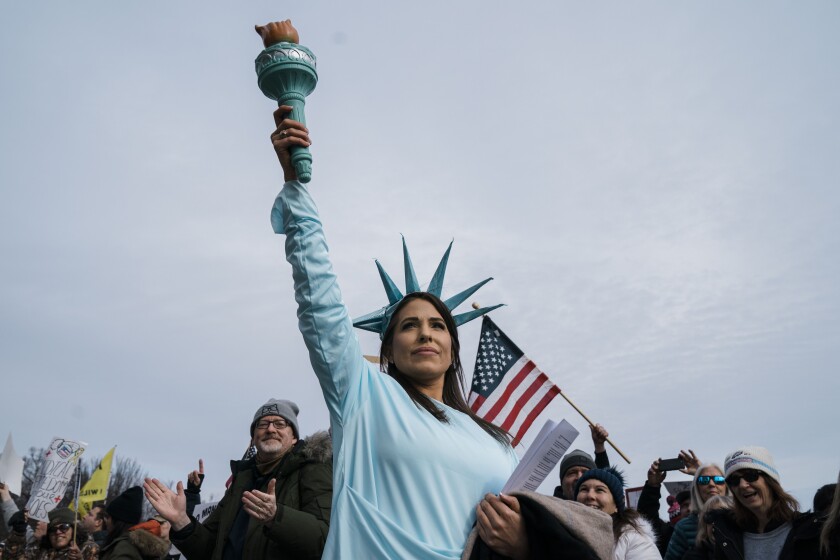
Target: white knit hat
751	457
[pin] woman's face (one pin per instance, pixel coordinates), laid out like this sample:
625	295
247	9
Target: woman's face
706	491
755	496
597	495
60	535
421	347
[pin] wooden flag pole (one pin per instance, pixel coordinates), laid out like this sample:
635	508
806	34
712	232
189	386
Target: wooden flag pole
476	305
585	417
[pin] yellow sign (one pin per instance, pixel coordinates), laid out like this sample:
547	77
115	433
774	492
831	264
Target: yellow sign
96	489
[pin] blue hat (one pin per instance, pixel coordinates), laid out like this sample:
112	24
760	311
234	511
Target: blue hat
612	477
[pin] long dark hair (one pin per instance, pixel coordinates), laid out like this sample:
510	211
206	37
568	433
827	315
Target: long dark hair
784	507
117	530
453	379
626	518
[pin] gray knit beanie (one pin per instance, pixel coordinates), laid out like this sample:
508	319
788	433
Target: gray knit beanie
576	458
274	407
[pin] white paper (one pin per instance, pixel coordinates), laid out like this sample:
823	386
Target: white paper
203	511
57	467
545	452
11	467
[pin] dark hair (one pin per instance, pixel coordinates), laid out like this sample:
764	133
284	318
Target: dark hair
100	513
683	496
625	518
117	529
823	497
784	507
453	378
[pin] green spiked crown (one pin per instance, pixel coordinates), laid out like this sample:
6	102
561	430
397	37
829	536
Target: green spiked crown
378	320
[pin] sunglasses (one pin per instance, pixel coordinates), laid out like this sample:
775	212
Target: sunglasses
750	475
60	528
704	480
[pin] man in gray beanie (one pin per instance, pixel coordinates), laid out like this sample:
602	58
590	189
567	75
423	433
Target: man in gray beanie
577	462
278	502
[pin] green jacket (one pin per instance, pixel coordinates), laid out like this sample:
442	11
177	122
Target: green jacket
304	499
135	545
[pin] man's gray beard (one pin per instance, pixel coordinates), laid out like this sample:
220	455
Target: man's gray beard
275	448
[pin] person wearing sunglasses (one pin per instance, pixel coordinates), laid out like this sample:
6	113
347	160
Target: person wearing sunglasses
61	541
708	482
765	523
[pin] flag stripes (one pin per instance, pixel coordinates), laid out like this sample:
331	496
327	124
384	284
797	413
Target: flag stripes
508	389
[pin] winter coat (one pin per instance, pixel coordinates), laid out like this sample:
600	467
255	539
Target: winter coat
637	544
554	524
802	543
648	506
683	538
304	499
700	552
136	545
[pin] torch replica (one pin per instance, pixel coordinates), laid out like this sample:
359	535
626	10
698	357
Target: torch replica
286	73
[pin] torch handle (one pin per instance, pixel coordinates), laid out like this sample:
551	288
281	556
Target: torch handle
301	158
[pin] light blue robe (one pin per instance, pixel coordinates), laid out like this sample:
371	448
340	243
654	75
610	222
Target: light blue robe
405	484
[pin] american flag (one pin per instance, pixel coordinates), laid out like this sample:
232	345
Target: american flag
507	388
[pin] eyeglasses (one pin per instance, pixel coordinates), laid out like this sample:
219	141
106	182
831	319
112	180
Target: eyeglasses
60	528
750	475
704	480
278	424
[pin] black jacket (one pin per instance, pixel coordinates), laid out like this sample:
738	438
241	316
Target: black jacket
802	543
648	506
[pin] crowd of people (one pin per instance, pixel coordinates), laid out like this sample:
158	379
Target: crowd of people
408	471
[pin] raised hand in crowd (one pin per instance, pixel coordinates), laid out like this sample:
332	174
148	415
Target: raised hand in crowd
170	505
262	506
655	477
196	477
193	490
692	463
501	527
599	437
74	552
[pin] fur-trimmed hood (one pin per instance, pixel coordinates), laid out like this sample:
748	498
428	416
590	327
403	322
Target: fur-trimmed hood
147	544
318	447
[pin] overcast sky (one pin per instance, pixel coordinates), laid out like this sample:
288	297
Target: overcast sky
653	186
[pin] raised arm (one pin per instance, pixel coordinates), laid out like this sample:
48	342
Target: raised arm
323	319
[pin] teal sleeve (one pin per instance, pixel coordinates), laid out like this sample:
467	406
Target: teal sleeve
323	318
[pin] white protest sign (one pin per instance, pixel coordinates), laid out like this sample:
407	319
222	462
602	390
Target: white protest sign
11	467
203	511
56	470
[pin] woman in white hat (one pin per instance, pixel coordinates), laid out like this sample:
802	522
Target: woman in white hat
765	523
